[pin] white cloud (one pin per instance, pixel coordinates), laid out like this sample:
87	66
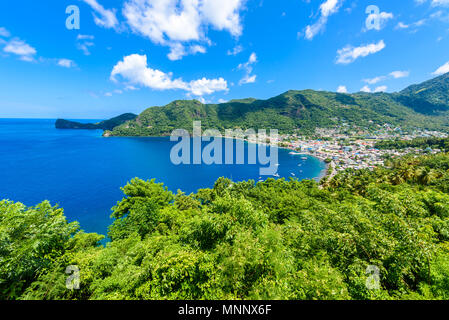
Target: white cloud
402	25
365	89
248	79
381	89
342	89
84	46
327	8
197	49
419	23
399	74
224	15
66	63
21	49
375	80
235	51
207	86
84	42
442	70
435	3
248	68
4	33
103	17
394	74
349	54
134	69
176	22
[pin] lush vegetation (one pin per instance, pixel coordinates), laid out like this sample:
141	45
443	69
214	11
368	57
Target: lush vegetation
271	240
429	97
103	125
421	143
424	106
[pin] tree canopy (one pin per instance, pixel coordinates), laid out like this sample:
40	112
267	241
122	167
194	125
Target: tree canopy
275	239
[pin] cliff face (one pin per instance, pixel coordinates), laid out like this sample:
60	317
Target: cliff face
103	125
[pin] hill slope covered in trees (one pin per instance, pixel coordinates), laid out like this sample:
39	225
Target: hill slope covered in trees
103	125
422	106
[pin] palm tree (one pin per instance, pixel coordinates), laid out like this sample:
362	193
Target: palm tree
426	176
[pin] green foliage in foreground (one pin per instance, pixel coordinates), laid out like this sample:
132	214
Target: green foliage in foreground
271	240
422	143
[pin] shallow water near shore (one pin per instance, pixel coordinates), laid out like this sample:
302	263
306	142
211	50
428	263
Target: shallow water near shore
82	172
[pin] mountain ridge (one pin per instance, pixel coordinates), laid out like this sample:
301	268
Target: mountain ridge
424	105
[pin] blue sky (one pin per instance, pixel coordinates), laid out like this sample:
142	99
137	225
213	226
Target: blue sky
132	54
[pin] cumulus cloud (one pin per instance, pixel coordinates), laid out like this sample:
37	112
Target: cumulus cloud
342	89
135	71
365	89
442	70
103	17
248	68
349	53
327	8
173	23
381	89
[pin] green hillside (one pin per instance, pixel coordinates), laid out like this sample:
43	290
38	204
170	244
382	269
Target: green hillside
104	125
425	106
429	97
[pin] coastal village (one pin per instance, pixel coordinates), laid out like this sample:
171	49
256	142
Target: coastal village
342	148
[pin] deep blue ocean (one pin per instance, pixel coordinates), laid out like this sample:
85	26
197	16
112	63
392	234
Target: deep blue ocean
82	172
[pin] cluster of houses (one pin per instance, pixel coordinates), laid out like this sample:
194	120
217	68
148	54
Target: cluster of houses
355	149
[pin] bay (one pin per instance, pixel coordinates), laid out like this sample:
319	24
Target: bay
82	172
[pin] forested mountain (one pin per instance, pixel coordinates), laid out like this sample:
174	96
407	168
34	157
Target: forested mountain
428	97
103	125
424	106
269	240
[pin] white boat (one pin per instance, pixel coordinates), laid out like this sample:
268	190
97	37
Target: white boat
292	174
295	153
303	158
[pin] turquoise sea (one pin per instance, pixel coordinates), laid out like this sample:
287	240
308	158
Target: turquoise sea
82	172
